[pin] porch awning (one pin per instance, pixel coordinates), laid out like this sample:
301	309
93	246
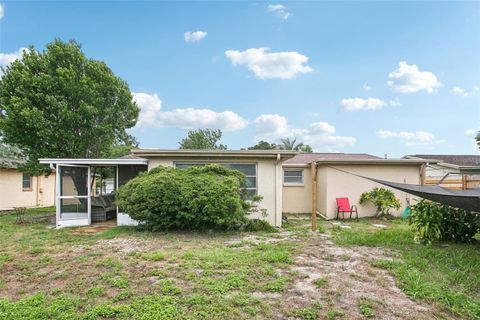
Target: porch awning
95	162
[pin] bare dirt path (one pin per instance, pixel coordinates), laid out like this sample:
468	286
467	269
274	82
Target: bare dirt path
343	282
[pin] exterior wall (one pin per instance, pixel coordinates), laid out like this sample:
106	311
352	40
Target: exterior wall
340	184
269	179
298	198
332	184
12	194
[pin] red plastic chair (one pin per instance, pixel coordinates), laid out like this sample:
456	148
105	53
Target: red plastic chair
343	205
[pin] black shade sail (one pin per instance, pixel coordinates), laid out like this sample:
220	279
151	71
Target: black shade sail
463	199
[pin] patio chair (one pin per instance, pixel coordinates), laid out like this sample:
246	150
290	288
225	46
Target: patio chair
343	205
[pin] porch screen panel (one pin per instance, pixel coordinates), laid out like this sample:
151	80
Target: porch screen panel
73	192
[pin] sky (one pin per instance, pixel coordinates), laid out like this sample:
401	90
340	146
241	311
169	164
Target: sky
380	77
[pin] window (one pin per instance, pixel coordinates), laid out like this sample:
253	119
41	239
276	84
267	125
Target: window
248	169
26	182
294	177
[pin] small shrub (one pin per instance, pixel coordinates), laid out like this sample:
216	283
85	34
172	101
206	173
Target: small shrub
255	225
432	221
198	198
383	199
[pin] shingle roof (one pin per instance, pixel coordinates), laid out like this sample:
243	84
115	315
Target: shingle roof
9	163
455	159
306	158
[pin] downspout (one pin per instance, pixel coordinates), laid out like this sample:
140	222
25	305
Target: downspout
276	187
313	167
52	167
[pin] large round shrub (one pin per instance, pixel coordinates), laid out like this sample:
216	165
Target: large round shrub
203	197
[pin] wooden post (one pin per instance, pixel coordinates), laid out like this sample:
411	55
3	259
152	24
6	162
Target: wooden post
422	174
314	195
464	182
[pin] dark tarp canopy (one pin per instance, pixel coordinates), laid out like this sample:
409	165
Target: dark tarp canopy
463	199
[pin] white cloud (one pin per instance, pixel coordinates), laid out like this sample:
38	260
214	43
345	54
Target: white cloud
464	92
408	79
280	10
270	65
360	104
319	135
151	115
7	58
356	104
2	11
417	138
366	87
194	36
472	132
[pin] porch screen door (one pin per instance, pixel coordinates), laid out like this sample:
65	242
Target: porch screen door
73	195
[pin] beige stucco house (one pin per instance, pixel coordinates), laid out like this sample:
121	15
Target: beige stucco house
283	178
337	176
19	189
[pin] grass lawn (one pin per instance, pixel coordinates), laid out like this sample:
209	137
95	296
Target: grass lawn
122	273
447	274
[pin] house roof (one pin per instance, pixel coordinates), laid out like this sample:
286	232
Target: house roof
306	158
459	160
284	154
10	163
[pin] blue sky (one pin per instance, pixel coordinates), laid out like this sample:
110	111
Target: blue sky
378	77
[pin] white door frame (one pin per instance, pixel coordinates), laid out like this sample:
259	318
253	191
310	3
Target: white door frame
74	221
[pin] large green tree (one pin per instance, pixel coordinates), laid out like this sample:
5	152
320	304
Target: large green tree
203	139
59	103
264	145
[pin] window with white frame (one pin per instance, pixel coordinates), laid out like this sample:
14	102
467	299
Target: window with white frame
26	182
293	176
248	169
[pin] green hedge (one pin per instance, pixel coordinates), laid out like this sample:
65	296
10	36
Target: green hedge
432	221
202	197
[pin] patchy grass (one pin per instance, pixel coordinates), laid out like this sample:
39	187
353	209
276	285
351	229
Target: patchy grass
446	274
123	273
60	274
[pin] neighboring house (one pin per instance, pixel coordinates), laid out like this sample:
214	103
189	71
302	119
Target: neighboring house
18	189
283	178
458	172
337	176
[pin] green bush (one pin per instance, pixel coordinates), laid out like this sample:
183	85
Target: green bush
383	199
254	225
198	198
432	221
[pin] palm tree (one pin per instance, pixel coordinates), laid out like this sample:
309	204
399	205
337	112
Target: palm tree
288	144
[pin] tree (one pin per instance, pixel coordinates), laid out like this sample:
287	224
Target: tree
264	145
59	103
203	139
288	144
477	138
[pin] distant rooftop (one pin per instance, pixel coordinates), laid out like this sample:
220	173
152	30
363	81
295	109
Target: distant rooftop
9	163
306	158
461	160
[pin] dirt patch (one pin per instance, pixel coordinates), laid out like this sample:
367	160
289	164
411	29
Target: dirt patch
341	278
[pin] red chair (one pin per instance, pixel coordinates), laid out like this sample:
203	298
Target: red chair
343	205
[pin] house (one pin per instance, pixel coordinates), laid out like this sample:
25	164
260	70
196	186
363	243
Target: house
19	189
339	175
283	178
458	172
